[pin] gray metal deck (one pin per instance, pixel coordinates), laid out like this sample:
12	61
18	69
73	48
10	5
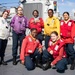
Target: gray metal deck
19	69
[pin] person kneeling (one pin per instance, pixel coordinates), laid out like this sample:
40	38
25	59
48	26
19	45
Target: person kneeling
31	49
55	55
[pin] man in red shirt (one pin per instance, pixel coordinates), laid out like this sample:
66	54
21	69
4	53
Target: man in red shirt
67	35
37	22
31	49
55	55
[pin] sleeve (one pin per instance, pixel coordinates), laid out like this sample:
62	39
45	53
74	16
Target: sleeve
58	26
42	22
12	22
31	23
24	44
73	31
39	45
59	57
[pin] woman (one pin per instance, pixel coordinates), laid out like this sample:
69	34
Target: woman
55	54
51	24
19	24
67	34
31	50
4	33
37	22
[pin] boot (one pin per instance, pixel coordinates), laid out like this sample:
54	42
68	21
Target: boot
14	60
38	63
2	61
47	66
72	65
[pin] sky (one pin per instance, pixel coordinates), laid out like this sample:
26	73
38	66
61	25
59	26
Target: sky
66	5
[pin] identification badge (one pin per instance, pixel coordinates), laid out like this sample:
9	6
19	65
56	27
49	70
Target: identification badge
56	47
61	23
69	24
29	51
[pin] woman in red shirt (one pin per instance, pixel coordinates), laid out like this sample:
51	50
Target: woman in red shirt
31	48
37	22
55	55
67	35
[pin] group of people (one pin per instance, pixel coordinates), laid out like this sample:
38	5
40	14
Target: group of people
58	36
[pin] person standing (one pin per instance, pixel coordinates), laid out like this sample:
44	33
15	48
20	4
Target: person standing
51	24
19	24
37	22
4	34
66	32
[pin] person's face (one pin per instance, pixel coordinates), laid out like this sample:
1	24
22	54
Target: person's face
5	15
20	11
50	13
66	16
54	37
35	14
34	33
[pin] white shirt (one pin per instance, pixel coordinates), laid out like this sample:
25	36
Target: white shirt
4	28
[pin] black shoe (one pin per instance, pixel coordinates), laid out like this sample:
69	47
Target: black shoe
60	71
4	63
72	65
47	66
39	65
14	61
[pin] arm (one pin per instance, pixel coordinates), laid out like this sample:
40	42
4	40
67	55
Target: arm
31	23
42	22
73	31
12	22
24	44
59	57
40	47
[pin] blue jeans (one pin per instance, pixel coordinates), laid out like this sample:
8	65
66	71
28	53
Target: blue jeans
3	44
61	65
40	37
47	38
16	37
70	52
29	63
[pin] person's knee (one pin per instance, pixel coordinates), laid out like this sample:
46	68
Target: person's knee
60	67
30	67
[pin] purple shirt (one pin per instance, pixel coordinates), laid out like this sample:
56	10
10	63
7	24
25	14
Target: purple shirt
19	24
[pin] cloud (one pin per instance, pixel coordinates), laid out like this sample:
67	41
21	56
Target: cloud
67	3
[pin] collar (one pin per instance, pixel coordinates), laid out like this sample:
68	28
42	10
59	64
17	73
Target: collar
32	37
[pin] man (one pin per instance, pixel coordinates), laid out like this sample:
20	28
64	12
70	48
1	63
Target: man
66	32
31	49
37	22
18	23
51	24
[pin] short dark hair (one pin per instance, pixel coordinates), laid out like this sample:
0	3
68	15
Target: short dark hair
54	32
66	13
51	10
35	11
33	29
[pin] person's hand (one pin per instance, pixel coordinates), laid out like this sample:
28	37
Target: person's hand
37	20
22	62
40	50
51	52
